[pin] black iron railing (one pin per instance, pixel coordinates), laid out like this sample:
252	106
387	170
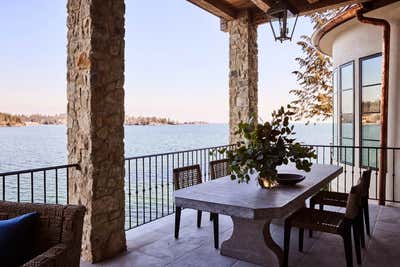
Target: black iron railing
43	185
149	181
354	160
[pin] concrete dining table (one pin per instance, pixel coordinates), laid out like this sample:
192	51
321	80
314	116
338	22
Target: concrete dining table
252	209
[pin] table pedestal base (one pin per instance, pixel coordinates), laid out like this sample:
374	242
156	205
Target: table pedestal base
251	241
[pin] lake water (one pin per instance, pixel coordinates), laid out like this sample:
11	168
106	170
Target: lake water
42	146
148	180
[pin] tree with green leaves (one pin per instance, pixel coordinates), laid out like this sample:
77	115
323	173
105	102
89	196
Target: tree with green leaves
313	99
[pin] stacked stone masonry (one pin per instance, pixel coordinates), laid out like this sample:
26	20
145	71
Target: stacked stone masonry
95	81
243	76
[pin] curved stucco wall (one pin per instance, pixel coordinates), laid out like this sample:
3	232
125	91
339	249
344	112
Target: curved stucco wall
360	40
352	41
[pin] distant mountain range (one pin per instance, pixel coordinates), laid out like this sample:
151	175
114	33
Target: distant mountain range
39	119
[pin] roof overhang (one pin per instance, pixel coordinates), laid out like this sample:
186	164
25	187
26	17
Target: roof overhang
229	9
324	36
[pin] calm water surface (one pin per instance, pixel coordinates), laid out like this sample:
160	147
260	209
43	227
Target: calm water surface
40	146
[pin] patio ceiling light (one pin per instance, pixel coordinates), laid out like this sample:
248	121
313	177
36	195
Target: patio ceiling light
282	21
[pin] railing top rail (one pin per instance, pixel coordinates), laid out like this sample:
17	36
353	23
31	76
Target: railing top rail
40	169
183	151
358	147
175	152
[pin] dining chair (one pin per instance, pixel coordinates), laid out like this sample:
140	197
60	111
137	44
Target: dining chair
185	177
338	199
219	168
328	222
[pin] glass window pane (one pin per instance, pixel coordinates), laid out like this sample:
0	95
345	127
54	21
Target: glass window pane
347	130
371	98
346	76
371	126
346	154
372	71
347	102
370	156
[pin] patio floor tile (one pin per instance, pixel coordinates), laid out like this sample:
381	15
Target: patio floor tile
154	244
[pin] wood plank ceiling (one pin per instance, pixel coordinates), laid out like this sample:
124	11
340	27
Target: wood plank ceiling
229	9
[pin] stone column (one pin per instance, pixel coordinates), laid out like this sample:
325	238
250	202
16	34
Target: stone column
243	75
95	80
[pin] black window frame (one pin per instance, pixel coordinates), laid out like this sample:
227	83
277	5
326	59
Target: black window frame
360	85
345	160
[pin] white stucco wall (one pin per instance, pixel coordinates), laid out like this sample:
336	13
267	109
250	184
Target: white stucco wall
354	40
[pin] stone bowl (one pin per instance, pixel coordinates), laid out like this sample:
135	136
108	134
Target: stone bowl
289	178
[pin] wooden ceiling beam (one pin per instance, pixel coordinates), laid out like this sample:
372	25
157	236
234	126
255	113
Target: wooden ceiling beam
262	4
312	6
219	8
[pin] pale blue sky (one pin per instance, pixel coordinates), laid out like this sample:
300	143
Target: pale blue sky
176	60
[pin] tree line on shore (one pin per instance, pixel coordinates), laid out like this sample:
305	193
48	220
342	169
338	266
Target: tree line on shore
39	119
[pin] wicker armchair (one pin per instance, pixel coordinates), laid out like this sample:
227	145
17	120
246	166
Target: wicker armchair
219	168
185	177
58	234
329	222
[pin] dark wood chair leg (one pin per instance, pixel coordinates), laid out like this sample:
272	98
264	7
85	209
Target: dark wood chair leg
366	216
211	217
199	218
361	229
321	206
216	230
301	239
357	246
312	206
286	245
177	221
347	247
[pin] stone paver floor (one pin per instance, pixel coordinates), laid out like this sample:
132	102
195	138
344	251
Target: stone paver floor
154	245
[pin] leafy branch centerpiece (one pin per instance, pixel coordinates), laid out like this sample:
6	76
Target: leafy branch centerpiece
265	146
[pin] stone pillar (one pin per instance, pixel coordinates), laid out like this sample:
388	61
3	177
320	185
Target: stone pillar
95	80
243	75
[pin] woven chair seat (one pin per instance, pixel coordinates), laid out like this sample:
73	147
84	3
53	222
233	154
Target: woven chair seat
336	199
317	220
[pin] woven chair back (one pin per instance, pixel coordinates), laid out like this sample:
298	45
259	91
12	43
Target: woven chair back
187	176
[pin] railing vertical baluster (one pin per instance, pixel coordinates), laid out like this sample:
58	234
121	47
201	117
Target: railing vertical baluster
173	179
44	187
345	169
323	155
156	186
137	192
204	165
144	192
32	198
208	164
18	188
168	183
150	194
393	174
360	151
162	185
4	187
67	185
56	186
376	173
129	194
